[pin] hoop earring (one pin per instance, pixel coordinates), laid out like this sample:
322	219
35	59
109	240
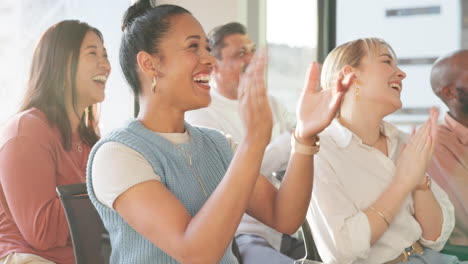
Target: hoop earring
356	90
153	84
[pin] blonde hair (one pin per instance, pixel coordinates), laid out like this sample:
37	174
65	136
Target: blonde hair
350	53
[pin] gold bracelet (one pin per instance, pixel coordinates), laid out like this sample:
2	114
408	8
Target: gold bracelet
297	147
380	213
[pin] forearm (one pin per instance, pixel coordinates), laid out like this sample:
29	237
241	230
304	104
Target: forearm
40	219
224	209
428	214
54	225
293	197
42	223
388	204
205	236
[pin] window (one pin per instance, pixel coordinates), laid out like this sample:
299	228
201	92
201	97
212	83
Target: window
292	46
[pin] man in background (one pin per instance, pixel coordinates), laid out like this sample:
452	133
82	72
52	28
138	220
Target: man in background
449	166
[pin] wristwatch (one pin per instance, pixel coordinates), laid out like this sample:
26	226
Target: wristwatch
297	147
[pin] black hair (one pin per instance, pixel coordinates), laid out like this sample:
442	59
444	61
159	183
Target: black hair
144	25
216	36
55	58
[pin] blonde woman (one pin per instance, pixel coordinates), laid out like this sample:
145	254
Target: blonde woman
372	201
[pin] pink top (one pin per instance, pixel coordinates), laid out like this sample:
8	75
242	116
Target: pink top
32	163
449	168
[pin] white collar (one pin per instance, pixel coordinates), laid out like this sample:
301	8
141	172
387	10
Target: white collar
343	136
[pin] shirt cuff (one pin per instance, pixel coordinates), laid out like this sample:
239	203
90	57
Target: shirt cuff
448	214
360	234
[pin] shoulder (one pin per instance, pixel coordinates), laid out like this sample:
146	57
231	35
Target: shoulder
30	125
329	149
326	162
116	168
132	134
211	133
206	117
335	137
115	148
336	149
114	155
120	148
29	122
122	139
216	139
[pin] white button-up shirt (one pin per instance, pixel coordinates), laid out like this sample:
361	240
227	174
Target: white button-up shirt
349	177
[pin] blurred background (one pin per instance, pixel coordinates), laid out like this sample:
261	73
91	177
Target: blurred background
296	32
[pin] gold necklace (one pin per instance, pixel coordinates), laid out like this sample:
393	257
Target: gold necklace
376	141
195	170
79	147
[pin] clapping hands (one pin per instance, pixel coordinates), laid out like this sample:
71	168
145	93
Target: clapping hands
317	107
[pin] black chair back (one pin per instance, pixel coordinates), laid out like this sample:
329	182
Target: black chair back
90	239
235	251
311	249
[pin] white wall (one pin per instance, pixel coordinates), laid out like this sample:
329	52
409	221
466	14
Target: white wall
212	13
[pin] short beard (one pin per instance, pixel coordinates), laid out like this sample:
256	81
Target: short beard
463	100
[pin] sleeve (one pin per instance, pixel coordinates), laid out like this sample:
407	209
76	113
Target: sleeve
277	154
286	118
448	224
117	168
341	230
28	180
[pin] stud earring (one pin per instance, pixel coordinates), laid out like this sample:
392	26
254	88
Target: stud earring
153	84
